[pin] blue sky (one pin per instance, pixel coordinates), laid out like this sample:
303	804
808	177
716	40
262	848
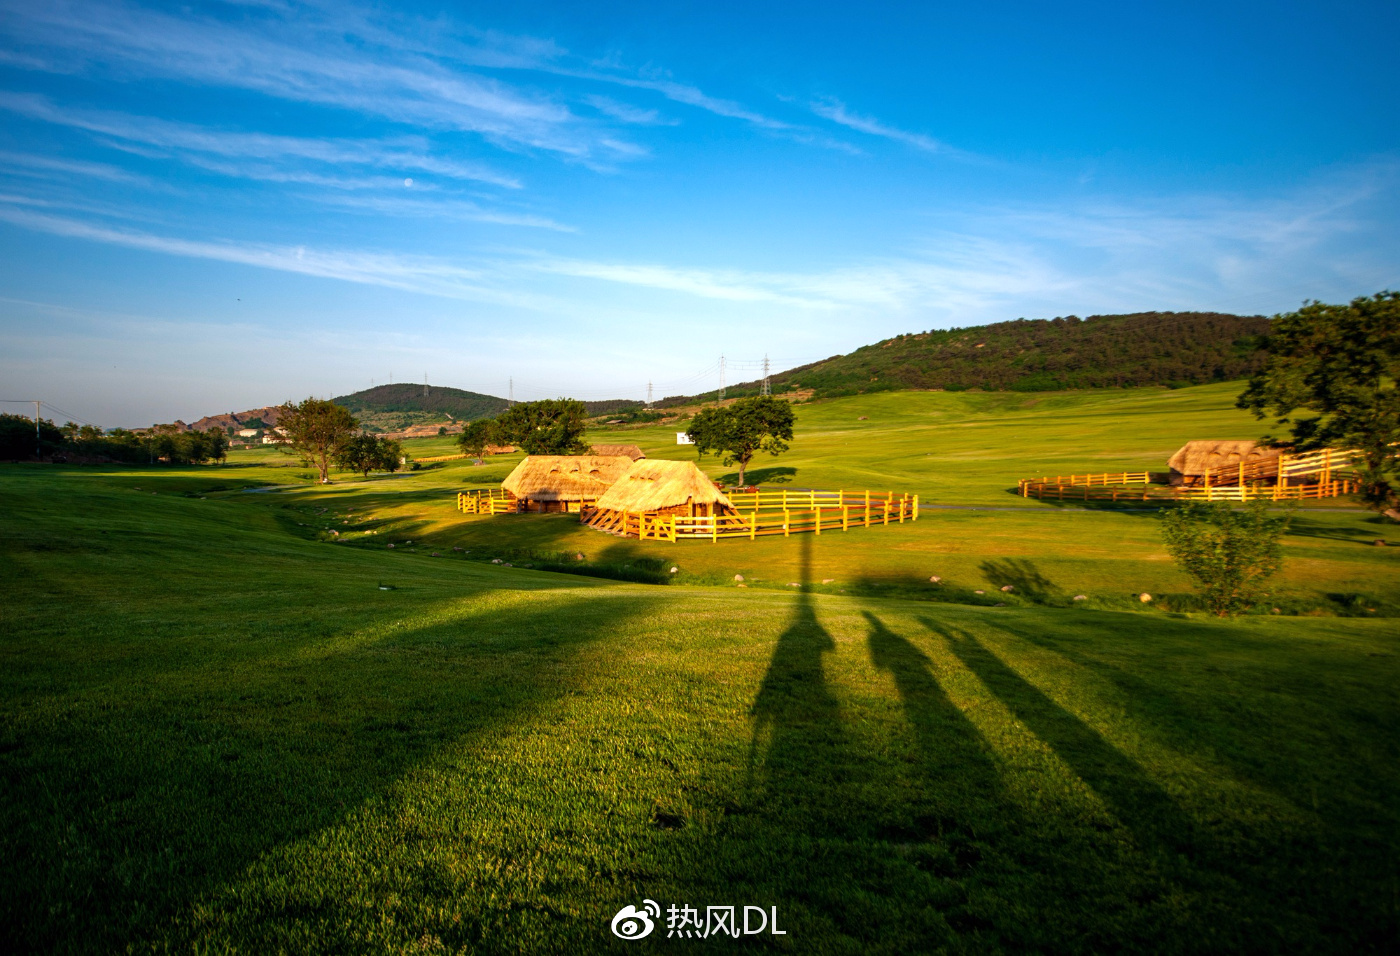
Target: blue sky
211	207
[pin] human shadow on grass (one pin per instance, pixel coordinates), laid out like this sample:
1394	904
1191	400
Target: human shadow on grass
955	766
1139	802
798	737
141	796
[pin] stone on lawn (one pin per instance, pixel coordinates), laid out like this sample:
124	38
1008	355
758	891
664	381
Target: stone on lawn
1081	597
935	579
979	592
738	577
827	580
1145	598
1007	587
674	570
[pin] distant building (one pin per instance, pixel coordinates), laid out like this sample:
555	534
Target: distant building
683	439
247	433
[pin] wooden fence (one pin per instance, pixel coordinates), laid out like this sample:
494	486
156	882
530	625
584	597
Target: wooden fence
771	513
1056	490
488	501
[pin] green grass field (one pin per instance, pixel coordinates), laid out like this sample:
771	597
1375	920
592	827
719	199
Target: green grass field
221	731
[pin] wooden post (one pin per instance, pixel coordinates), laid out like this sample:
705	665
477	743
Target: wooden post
818	513
787	516
886	506
845	518
903	500
753	525
916	507
714	529
867	508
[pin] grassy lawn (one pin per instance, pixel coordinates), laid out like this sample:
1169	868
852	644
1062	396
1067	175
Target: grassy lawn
221	732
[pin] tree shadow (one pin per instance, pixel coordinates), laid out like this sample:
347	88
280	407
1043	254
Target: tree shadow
1139	802
1024	579
776	475
157	784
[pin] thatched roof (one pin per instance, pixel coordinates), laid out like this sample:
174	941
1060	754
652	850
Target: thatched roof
565	477
631	451
1198	457
655	483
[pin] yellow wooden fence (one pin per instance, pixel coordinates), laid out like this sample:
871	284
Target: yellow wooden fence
488	501
776	513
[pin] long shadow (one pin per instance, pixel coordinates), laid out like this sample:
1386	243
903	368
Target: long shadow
137	797
799	753
1143	806
958	774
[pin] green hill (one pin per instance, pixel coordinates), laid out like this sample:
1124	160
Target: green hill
437	401
1038	355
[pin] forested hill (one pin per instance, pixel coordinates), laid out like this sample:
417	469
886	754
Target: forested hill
1144	348
438	400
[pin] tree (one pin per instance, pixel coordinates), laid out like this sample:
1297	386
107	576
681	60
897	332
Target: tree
476	436
554	426
1228	552
1331	379
365	453
743	429
20	439
315	429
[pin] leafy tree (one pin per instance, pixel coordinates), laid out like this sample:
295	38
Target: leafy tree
476	436
1229	552
554	426
743	429
365	453
20	440
1331	379
316	429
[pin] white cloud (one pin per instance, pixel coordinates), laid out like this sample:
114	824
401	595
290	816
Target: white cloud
190	141
836	111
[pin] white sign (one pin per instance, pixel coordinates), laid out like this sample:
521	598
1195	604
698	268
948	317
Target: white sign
683	439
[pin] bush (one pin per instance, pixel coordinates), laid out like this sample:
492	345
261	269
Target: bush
1228	552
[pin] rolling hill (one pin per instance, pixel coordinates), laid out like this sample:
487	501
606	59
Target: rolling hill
1035	355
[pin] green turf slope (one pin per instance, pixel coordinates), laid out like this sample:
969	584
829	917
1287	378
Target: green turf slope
219	733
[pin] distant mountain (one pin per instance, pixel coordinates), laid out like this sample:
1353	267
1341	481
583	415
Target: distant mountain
433	400
1034	355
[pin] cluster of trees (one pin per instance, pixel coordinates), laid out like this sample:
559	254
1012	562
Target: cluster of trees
554	426
324	433
166	443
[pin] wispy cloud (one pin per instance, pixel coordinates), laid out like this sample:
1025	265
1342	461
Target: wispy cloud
31	164
837	112
626	112
429	276
404	154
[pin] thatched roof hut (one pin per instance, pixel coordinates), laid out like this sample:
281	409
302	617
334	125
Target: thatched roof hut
657	486
1195	458
631	451
562	482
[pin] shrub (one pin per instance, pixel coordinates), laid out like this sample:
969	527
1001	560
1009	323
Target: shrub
1228	552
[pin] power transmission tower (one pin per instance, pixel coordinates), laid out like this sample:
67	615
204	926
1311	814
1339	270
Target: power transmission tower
38	437
511	401
425	384
648	394
766	389
721	378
